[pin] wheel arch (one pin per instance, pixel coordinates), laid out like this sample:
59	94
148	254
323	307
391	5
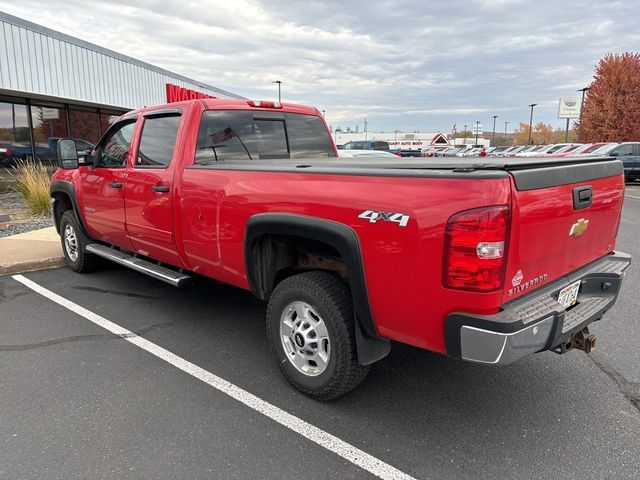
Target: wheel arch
262	268
64	199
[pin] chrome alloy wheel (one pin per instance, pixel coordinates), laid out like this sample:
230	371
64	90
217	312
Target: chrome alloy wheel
71	242
305	338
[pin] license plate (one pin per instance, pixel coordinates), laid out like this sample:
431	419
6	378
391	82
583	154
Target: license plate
569	295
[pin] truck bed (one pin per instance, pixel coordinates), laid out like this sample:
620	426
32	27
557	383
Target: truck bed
528	173
466	164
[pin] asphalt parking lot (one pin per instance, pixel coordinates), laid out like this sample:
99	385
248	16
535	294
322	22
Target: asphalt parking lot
78	401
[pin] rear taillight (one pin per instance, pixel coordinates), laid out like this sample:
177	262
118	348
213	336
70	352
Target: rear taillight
475	249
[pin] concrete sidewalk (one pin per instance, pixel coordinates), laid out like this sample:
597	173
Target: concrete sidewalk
30	251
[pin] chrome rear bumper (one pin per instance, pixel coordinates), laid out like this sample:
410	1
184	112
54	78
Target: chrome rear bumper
537	322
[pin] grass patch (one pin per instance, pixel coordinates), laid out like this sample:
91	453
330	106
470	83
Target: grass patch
33	180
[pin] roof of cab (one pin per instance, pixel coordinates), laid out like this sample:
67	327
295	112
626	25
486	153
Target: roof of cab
230	104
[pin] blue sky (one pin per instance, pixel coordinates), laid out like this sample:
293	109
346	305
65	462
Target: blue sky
406	65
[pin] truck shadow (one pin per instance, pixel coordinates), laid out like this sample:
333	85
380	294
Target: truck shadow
415	399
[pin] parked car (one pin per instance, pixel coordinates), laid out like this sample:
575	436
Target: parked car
508	151
366	153
11	153
545	150
565	151
409	153
429	152
470	152
366	145
516	150
350	254
579	150
82	145
629	153
603	150
446	152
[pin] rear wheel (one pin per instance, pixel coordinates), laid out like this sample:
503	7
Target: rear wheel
73	245
310	328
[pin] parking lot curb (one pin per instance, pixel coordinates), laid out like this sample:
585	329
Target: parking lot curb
35	250
31	266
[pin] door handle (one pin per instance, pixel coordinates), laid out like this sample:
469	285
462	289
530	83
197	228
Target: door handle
115	184
160	188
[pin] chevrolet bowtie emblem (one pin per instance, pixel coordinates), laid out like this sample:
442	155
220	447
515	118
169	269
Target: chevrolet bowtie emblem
579	228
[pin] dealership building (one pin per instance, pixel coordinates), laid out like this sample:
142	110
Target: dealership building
54	85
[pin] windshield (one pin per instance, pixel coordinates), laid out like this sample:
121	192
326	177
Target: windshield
604	149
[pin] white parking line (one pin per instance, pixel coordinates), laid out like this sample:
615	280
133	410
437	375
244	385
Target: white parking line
330	442
632	196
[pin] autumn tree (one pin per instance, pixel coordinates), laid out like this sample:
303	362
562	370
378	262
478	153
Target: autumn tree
541	134
612	103
559	135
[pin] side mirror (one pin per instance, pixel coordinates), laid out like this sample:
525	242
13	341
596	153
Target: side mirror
67	153
614	154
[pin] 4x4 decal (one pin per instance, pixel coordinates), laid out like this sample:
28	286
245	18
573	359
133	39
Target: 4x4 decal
400	218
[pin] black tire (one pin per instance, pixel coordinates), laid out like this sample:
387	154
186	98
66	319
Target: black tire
76	258
330	298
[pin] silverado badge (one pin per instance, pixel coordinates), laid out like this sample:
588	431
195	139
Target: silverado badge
579	228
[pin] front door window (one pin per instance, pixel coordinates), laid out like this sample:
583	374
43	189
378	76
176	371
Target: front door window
115	146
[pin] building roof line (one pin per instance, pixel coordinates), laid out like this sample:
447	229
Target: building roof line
20	22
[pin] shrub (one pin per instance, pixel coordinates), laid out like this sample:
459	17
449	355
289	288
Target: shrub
33	181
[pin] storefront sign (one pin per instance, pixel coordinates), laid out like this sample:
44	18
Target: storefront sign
50	113
569	107
179	94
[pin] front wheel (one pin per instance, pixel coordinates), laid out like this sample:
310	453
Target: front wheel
73	245
310	328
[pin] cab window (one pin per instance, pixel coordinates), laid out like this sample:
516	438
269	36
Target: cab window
113	149
249	135
157	141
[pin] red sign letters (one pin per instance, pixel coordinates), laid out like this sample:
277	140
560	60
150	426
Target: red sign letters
179	94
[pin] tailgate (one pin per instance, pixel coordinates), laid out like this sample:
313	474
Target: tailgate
563	217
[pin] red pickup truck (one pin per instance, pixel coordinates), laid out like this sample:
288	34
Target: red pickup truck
485	260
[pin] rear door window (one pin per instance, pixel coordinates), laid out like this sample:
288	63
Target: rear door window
157	141
249	135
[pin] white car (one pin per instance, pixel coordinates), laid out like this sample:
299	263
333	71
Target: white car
366	153
544	151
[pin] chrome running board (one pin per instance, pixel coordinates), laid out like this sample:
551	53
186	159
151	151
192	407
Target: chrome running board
158	272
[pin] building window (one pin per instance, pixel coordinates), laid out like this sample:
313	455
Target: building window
15	137
107	119
49	125
84	125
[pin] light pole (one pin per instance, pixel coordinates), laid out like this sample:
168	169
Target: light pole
465	136
505	132
531	122
477	131
493	133
279	85
365	127
583	90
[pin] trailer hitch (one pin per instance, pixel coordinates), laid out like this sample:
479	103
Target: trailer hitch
582	340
